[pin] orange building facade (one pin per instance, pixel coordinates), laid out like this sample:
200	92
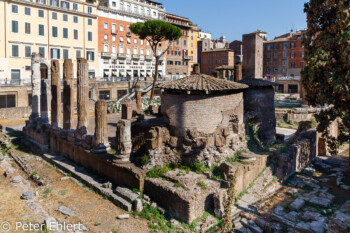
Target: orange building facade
215	58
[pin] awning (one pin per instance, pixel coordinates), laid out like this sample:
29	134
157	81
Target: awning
148	73
128	73
106	73
115	73
142	71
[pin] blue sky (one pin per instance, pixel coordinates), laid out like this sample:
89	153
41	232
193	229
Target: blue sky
237	17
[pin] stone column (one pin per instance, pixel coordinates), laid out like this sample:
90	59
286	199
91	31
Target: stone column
123	141
82	98
45	111
138	100
238	72
101	128
68	95
56	94
36	86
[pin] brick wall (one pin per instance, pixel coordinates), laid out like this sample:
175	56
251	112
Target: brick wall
204	112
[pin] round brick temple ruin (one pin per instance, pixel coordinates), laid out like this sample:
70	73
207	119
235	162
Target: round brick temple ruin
203	112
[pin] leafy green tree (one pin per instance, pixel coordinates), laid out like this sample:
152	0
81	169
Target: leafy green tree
156	32
326	76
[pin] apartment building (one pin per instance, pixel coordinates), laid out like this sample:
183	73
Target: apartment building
237	48
283	61
56	29
204	43
178	58
123	56
192	50
212	59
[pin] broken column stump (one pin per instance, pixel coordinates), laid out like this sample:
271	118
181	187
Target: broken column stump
123	141
36	86
139	100
101	128
82	99
55	94
68	95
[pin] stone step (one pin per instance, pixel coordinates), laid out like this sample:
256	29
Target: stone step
126	194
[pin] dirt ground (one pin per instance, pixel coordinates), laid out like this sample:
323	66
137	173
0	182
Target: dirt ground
90	209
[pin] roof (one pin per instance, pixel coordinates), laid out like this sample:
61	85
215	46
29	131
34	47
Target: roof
254	82
201	82
225	67
218	50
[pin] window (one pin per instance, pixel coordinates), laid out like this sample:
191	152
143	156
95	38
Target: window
55	53
27	28
75	19
65	33
128	8
284	62
148	13
89	10
141	42
169	75
114	4
292	45
15	51
14	9
54	31
65	17
135	9
89	36
14	26
121	28
142	11
105	48
121	48
105	26
104	95
42	51
9	101
135	41
128	50
26	10
65	5
268	47
75	7
54	15
268	55
105	37
154	14
114	49
27	51
76	34
292	55
114	28
185	42
121	93
142	51
292	65
285	46
54	3
90	56
135	50
41	30
275	62
275	46
302	54
128	40
89	22
276	55
77	54
41	13
121	6
65	53
114	38
15	79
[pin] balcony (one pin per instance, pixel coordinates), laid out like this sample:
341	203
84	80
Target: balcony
128	34
149	57
122	55
186	57
106	54
114	32
136	56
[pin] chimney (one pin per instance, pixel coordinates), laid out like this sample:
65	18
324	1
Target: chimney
196	69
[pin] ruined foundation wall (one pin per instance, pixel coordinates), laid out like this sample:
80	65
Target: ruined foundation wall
17	112
259	109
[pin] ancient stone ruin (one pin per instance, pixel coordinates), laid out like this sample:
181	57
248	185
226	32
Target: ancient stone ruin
199	130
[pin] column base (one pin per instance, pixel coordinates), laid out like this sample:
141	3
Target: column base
122	159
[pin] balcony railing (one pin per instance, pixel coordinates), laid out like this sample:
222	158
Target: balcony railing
128	34
106	54
136	56
149	57
122	55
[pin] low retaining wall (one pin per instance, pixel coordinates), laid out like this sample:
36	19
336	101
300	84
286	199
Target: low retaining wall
122	174
18	112
295	116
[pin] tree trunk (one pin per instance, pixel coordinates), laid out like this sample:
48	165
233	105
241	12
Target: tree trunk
155	78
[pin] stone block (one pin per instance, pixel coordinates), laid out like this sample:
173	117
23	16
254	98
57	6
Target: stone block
210	141
173	141
219	141
126	194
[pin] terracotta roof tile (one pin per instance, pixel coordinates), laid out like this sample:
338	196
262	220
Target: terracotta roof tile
201	82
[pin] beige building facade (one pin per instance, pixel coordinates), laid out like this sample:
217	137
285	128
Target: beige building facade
54	28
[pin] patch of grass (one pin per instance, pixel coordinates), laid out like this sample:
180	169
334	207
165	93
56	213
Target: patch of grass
202	185
33	173
286	208
105	197
287	124
217	173
113	150
62	192
158	172
69	175
142	160
46	192
179	185
97	224
197	167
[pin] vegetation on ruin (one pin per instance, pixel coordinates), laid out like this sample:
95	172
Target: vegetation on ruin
201	184
287	124
326	75
156	32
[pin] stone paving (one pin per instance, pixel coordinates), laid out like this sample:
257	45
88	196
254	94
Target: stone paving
317	203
